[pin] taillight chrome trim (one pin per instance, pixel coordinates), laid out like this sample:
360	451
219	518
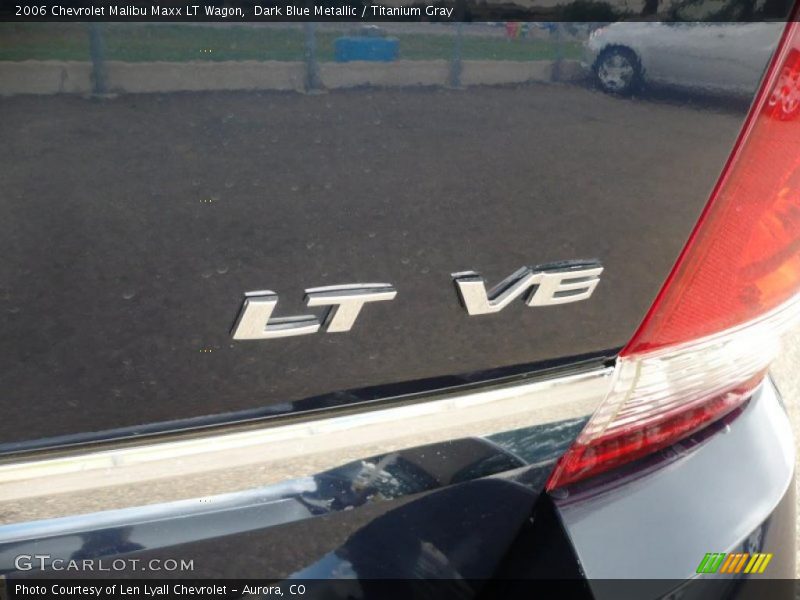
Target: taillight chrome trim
659	397
194	467
756	341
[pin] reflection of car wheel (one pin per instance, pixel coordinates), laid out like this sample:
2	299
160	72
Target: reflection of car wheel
784	101
618	71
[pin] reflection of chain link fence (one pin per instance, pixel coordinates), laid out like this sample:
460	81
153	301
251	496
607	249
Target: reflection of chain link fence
312	79
97	53
146	57
455	63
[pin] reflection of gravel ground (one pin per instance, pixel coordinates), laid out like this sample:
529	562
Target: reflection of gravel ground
787	375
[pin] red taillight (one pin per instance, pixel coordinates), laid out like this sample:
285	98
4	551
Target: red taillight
714	328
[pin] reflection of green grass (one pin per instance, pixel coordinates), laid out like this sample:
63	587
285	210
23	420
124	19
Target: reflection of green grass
133	43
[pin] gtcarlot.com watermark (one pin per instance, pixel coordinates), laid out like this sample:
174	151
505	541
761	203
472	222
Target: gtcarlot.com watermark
42	562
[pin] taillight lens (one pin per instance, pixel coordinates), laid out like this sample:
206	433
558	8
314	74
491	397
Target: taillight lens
714	328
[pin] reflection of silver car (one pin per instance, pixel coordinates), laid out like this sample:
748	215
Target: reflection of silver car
718	57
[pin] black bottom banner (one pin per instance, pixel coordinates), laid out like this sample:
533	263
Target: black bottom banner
700	588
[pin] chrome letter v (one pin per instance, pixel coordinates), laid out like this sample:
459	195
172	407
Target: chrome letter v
556	284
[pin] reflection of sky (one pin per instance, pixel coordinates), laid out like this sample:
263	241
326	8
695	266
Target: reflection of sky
163	524
330	566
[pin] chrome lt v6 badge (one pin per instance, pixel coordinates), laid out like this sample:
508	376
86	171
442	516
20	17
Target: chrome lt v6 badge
552	286
547	285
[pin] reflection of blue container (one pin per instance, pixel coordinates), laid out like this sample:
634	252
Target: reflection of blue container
382	49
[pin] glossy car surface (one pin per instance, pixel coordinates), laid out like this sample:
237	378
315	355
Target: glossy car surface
416	445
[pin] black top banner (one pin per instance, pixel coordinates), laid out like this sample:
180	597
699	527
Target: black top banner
254	11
